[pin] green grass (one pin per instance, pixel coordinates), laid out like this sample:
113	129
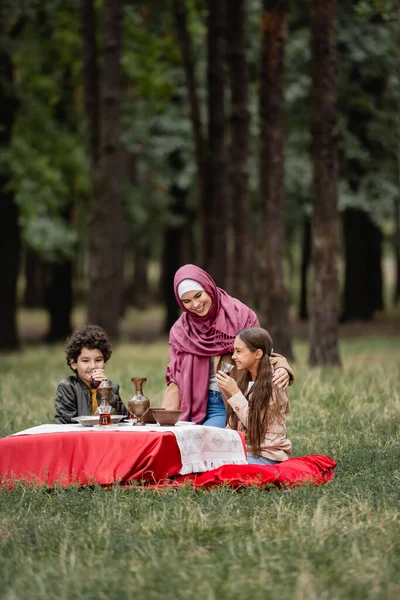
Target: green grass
334	542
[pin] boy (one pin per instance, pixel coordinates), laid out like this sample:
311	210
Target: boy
87	350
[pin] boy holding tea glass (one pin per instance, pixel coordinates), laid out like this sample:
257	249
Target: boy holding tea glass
87	351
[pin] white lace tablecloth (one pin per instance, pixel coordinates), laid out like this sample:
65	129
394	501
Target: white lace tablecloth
202	448
206	448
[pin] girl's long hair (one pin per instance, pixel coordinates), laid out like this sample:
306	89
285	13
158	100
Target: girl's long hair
258	418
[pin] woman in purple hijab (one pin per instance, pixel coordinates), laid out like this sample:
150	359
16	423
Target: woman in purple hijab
200	341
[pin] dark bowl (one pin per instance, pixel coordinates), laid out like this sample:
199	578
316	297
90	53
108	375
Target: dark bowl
148	416
166	417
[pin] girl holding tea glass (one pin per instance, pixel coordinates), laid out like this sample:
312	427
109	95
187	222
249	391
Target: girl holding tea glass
201	342
256	406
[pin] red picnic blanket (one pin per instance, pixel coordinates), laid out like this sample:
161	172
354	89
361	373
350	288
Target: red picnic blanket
314	469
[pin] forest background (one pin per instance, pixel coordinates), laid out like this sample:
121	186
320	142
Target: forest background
257	139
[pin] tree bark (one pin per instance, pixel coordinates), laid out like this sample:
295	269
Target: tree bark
9	247
375	262
139	296
363	270
238	170
305	263
173	245
106	227
139	242
10	235
324	329
59	292
274	305
59	300
91	77
215	209
360	117
170	264
396	291
35	281
189	248
200	144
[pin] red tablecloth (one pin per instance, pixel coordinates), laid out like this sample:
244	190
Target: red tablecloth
82	458
85	458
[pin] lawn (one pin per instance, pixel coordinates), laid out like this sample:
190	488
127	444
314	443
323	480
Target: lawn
332	542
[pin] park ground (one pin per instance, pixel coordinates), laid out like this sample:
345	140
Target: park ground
333	542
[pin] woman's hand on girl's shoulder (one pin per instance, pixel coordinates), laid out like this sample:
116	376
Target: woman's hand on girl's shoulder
281	379
228	384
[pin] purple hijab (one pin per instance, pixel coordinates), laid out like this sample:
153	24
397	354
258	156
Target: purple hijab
194	340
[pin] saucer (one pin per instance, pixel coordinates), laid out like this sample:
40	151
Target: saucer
105	427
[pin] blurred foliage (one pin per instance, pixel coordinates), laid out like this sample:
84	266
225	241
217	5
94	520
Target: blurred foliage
155	121
298	164
377	9
48	162
367	111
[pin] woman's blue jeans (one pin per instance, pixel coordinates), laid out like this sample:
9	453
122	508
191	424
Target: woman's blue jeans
260	460
216	411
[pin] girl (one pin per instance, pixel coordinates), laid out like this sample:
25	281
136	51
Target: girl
256	406
200	341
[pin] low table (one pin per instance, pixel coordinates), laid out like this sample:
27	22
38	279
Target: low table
82	456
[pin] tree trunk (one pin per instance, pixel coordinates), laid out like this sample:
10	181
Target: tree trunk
363	270
238	169
305	263
215	210
324	328
137	291
170	264
396	291
139	297
9	247
10	235
200	144
173	245
35	281
91	77
189	249
59	292
59	300
274	309
375	266
107	235
360	117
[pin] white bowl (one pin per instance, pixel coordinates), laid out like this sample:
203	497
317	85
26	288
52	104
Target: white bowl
89	421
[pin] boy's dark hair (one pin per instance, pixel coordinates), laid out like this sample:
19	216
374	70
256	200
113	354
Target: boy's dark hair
91	337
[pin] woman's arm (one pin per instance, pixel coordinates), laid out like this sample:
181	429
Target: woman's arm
171	399
282	372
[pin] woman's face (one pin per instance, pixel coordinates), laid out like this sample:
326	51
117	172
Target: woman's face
197	302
